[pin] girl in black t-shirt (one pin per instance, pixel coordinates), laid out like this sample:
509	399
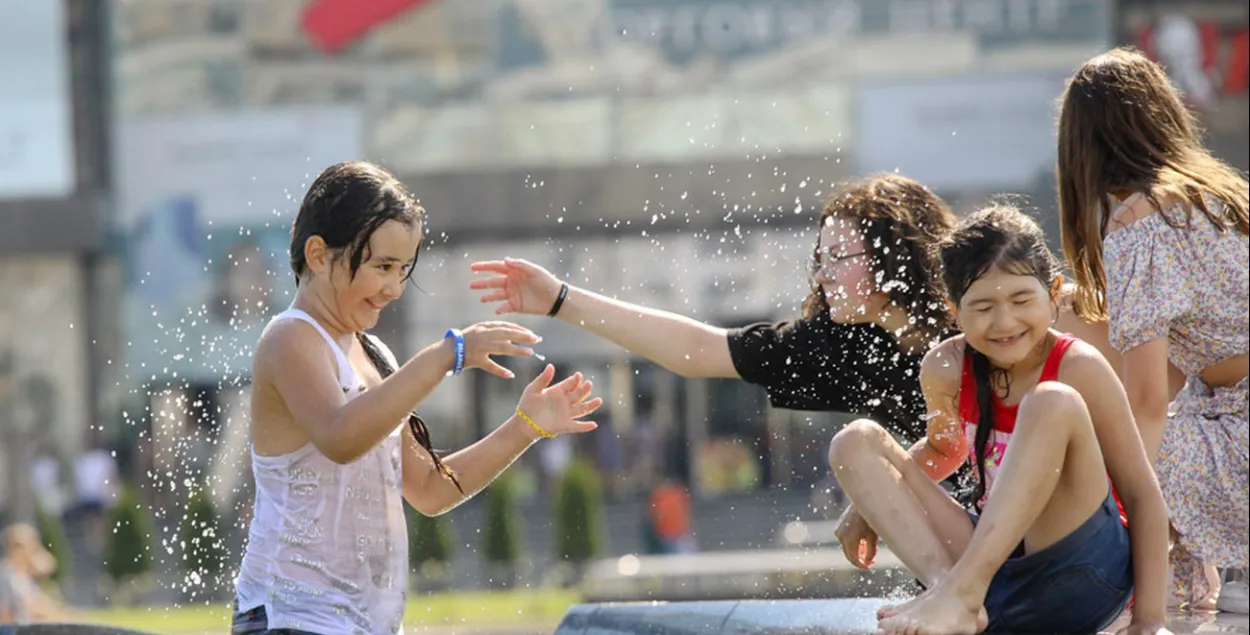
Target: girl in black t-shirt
876	307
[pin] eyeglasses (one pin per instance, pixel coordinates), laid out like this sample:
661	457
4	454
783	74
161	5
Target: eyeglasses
817	264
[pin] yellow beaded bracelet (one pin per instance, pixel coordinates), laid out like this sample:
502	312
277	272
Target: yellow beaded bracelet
533	425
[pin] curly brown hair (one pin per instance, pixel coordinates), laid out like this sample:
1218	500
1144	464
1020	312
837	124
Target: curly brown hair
906	217
1123	127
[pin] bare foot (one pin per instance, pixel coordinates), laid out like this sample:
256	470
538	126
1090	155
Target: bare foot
935	614
890	610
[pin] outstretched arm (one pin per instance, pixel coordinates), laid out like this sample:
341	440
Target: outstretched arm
680	344
296	363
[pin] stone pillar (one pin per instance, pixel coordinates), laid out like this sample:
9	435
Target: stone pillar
14	430
778	422
696	429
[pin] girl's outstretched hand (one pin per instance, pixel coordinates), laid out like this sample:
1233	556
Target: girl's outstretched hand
519	286
486	339
558	408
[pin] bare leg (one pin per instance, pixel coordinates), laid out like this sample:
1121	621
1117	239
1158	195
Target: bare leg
1051	481
919	521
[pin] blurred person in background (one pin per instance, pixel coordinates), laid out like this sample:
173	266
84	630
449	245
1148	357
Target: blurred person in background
668	511
23	564
45	480
95	485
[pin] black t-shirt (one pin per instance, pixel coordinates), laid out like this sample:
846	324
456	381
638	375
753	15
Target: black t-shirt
817	364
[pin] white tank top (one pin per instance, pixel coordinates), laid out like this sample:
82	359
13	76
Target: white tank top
327	549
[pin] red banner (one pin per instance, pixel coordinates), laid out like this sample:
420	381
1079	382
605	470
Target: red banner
333	24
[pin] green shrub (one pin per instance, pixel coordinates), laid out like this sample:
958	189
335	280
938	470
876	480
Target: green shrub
429	540
579	527
131	538
202	538
53	534
503	534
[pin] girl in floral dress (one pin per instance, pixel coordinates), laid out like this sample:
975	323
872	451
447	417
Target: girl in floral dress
1155	229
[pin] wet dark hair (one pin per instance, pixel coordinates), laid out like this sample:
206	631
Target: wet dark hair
1123	127
345	206
901	221
997	237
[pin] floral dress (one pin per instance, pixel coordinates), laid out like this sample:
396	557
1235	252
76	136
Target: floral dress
1188	281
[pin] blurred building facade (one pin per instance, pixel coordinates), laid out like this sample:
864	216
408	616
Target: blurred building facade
670	152
673	153
1205	45
54	197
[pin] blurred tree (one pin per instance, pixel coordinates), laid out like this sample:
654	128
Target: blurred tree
52	531
131	538
579	527
204	553
502	546
430	550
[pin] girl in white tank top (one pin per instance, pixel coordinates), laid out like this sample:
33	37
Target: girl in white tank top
327	546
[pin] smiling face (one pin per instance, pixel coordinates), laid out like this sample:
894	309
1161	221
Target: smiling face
384	269
1005	315
842	268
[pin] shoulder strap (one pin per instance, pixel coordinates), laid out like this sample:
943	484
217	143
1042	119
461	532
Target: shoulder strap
968	409
1050	371
347	376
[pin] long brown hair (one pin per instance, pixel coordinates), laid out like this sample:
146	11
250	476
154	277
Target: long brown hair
1123	127
908	220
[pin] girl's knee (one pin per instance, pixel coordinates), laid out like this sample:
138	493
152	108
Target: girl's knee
858	437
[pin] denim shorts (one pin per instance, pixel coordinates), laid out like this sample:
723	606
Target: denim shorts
256	622
1078	585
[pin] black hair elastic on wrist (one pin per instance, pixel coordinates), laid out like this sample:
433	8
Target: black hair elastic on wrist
564	293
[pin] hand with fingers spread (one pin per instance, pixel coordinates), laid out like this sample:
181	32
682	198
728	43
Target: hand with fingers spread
519	286
555	409
485	339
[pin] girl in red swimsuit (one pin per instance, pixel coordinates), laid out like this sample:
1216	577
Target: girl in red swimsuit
1046	423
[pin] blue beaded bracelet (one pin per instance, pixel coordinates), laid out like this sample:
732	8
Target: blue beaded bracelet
457	339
